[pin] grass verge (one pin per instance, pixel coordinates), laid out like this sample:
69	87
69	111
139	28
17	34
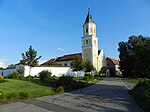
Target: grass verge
35	88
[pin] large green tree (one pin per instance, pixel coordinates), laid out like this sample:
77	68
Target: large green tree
77	64
88	67
135	56
30	58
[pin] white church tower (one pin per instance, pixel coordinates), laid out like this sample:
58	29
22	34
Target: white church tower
90	44
90	41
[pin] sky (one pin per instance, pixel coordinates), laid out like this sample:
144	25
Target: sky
55	27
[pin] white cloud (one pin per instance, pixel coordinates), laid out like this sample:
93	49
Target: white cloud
60	49
3	63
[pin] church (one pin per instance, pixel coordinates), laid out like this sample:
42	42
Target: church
61	65
90	49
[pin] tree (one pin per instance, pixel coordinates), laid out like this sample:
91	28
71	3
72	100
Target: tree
103	70
11	66
88	67
20	70
135	56
30	58
77	64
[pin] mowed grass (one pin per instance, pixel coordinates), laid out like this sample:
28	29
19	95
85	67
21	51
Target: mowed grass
89	81
35	88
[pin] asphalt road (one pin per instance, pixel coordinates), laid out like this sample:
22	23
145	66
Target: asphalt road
109	95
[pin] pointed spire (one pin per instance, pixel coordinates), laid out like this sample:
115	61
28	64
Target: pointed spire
89	17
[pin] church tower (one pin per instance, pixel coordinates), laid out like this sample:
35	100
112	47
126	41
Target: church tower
90	41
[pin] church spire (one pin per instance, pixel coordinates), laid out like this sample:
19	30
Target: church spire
89	18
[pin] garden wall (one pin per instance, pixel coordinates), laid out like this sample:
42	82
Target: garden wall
57	71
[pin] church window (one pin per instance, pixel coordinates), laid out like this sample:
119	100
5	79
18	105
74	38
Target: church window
94	30
86	42
86	30
91	30
94	41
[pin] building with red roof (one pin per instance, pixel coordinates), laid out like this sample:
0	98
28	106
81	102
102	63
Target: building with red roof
113	66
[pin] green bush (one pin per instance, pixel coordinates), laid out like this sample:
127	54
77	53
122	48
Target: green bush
60	89
2	96
23	95
14	75
45	74
65	80
12	95
1	79
31	77
141	93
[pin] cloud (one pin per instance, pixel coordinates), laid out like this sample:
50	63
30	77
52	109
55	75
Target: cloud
60	49
3	63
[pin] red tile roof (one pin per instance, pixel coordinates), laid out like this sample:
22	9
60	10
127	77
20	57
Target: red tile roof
62	58
69	57
111	61
49	61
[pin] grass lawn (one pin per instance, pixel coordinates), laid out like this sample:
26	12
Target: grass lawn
35	88
89	81
133	80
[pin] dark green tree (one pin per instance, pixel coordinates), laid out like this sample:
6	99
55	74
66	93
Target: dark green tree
103	70
135	56
76	64
88	67
11	66
30	58
20	70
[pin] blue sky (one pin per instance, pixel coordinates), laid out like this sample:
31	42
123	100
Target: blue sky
54	27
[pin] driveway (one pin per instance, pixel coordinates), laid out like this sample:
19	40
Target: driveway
109	95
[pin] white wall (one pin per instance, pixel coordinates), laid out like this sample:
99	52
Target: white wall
57	71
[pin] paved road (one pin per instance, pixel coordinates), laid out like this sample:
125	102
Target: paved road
109	95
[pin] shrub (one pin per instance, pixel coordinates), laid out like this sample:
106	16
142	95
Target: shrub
23	95
2	96
14	75
44	75
141	93
65	80
31	77
1	79
12	95
60	89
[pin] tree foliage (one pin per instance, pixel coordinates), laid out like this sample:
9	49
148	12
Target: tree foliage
77	64
103	70
88	67
30	57
20	70
11	66
135	56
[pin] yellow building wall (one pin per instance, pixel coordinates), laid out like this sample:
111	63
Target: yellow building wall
87	54
95	58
